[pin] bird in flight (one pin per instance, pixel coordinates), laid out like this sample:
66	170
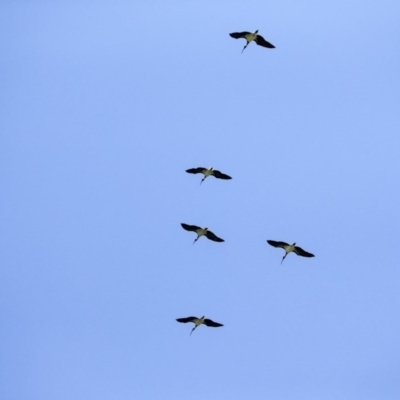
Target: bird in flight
289	248
202	232
208	172
199	321
250	37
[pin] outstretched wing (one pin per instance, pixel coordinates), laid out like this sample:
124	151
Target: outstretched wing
277	244
195	170
238	35
213	237
184	320
220	175
300	252
208	322
191	228
262	42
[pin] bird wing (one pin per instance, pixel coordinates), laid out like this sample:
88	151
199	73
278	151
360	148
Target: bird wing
208	322
300	252
214	237
184	320
192	228
195	170
220	175
277	244
262	42
238	35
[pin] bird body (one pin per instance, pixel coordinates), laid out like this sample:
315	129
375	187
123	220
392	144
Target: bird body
290	248
208	172
199	321
201	232
250	37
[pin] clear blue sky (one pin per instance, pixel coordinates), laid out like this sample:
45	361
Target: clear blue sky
103	107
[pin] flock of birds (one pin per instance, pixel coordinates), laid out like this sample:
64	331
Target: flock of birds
289	248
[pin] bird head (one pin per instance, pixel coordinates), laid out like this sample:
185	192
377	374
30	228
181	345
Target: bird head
294	244
256	32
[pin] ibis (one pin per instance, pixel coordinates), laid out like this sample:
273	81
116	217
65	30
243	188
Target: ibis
250	37
208	172
202	232
289	248
199	321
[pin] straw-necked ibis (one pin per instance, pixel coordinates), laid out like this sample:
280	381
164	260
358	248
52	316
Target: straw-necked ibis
250	37
202	232
289	248
208	172
199	321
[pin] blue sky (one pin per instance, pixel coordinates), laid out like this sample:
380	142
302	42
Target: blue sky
104	106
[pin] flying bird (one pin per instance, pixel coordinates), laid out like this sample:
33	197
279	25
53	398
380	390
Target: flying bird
289	248
199	321
250	37
208	172
202	232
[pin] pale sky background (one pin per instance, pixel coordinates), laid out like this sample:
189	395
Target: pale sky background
104	105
